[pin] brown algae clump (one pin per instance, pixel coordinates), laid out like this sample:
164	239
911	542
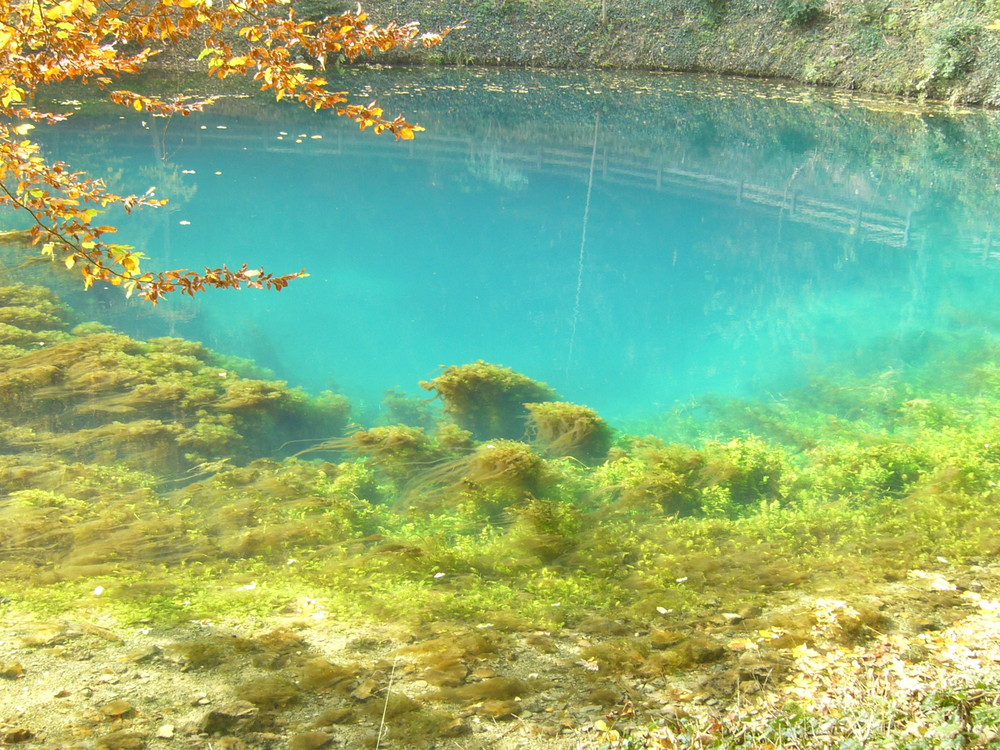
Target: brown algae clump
567	430
30	317
495	476
160	405
396	451
488	400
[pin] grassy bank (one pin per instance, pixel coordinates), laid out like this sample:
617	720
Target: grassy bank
941	50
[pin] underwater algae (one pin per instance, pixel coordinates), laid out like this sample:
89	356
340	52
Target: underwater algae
185	491
486	399
159	452
570	430
162	405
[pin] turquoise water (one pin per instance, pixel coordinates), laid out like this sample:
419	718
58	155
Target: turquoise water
634	241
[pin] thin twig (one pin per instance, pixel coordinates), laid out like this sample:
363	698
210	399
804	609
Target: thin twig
385	708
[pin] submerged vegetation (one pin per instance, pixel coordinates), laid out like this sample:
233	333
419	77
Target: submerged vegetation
178	484
486	399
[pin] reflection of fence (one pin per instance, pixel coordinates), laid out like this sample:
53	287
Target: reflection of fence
871	225
793	206
987	250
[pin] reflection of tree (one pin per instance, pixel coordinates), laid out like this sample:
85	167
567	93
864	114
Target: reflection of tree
806	298
897	159
487	162
169	181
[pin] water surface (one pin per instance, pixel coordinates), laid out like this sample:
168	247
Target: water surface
633	240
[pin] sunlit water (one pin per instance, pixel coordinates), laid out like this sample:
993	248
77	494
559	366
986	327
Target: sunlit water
739	237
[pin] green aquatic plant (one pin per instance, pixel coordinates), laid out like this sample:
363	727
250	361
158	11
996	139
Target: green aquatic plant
61	535
140	443
729	478
488	400
399	408
35	297
399	452
641	564
652	477
543	528
272	510
453	440
494	477
748	470
103	396
30	317
865	473
563	429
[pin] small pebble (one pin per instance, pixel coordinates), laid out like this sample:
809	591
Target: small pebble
17	735
141	654
165	732
309	741
11	670
117	709
122	741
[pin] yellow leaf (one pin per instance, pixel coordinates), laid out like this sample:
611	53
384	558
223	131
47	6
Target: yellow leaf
70	260
12	94
130	263
138	105
24	129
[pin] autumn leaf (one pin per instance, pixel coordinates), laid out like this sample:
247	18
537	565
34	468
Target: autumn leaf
46	42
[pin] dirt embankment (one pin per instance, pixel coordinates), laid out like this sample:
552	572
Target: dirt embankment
940	50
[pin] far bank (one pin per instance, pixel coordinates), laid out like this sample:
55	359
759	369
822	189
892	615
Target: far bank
946	50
